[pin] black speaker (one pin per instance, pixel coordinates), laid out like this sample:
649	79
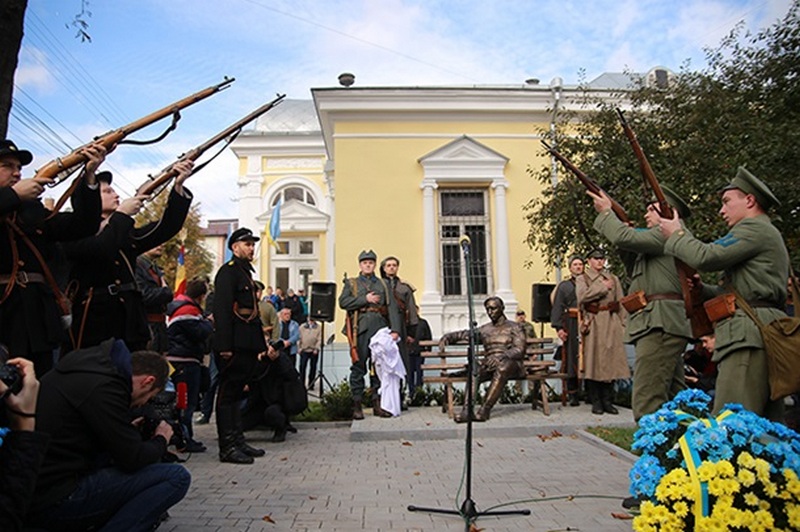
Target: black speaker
540	295
323	301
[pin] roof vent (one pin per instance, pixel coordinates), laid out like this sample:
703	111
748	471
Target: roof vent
532	81
346	79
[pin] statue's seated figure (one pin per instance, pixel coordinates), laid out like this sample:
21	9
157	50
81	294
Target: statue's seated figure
504	352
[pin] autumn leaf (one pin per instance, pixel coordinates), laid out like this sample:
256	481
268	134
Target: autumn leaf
417	473
268	519
619	515
408	444
474	528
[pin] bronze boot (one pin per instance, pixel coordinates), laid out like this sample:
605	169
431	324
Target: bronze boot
492	396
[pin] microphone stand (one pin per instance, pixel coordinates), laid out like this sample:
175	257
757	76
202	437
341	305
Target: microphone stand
323	380
469	510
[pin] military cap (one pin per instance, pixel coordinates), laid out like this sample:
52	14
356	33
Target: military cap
367	255
7	147
241	235
104	177
597	253
675	201
750	184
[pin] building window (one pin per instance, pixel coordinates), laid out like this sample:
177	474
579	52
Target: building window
464	212
294	192
281	247
306	247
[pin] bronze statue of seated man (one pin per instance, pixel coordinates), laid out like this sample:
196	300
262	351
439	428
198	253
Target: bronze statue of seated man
504	352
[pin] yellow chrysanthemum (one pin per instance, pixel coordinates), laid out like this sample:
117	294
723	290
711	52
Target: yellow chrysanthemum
793	514
746	477
746	459
751	499
681	509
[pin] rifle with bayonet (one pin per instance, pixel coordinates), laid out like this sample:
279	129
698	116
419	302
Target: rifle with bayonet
158	182
692	297
590	184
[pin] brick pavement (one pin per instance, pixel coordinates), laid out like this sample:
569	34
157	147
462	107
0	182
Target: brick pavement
337	478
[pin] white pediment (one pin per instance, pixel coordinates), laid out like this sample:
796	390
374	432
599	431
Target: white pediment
464	159
297	217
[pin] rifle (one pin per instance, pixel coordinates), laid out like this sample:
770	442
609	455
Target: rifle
692	294
61	168
590	184
157	183
349	329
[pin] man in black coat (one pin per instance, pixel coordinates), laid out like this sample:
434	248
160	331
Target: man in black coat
33	312
97	472
238	344
107	300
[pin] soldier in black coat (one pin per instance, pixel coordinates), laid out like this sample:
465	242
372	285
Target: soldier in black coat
156	295
238	344
107	300
33	312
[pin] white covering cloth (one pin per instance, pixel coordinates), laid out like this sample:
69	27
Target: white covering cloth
389	368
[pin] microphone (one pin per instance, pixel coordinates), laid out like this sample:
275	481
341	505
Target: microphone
465	242
182	398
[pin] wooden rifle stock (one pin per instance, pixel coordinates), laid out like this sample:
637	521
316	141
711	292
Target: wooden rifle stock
348	329
590	184
60	168
692	296
157	183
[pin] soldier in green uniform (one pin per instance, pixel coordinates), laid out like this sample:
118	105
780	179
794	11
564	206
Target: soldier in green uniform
370	307
657	325
755	263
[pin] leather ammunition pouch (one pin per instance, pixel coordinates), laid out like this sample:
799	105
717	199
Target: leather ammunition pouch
634	302
721	307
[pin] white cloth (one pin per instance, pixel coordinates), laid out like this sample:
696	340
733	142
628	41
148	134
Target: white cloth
389	368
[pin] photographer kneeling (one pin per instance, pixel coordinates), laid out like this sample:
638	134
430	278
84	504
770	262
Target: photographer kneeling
276	394
21	447
97	472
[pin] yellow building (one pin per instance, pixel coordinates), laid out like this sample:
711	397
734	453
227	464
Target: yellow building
405	171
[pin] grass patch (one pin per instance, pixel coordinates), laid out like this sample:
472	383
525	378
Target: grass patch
620	436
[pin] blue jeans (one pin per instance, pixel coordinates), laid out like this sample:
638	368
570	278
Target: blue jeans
112	500
189	373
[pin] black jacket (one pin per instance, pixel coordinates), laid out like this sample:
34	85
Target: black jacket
105	264
233	286
84	404
187	329
29	317
21	456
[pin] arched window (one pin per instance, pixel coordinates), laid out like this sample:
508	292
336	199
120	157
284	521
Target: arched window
294	192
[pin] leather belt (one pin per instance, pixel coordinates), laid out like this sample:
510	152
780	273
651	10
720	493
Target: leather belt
380	310
156	318
22	278
672	296
760	303
594	308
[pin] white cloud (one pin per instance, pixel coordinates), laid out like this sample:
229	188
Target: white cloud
33	71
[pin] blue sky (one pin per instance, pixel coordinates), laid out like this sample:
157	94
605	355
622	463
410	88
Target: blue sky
145	54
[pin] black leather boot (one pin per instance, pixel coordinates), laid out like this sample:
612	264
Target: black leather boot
595	391
226	434
608	398
241	444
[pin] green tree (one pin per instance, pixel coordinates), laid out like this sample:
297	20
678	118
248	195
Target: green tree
197	259
741	110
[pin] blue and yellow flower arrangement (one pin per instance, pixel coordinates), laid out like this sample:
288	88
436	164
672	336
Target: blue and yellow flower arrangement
735	471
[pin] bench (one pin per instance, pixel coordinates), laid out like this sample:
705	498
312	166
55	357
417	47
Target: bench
451	361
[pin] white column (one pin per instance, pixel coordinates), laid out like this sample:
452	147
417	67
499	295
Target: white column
431	301
502	250
330	238
250	199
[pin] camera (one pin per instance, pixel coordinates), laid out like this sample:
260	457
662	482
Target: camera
277	345
9	374
162	408
11	377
